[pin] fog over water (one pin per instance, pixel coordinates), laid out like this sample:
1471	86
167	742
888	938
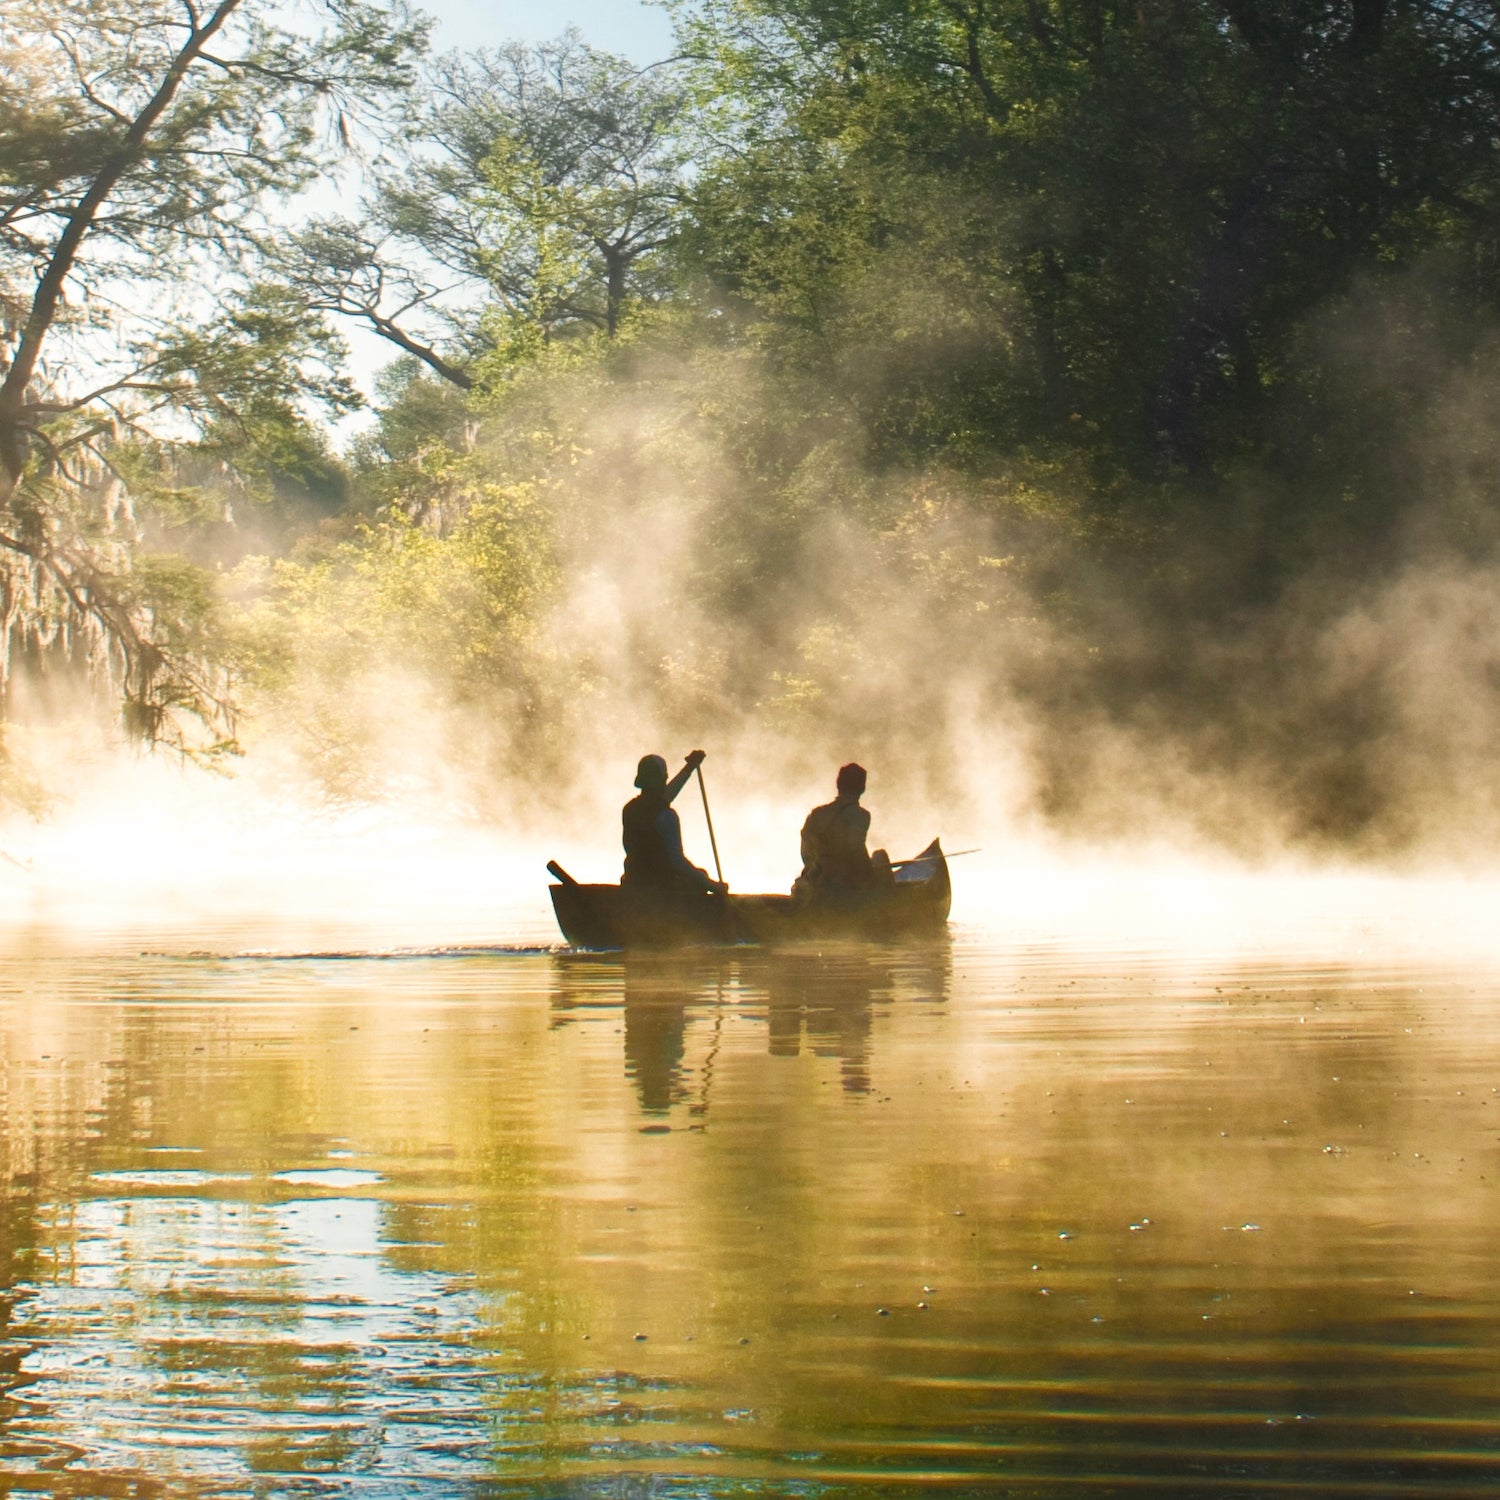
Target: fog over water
1165	1172
151	852
1170	1169
379	808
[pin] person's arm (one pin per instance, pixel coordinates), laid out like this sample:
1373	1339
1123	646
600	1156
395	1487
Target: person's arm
671	838
694	760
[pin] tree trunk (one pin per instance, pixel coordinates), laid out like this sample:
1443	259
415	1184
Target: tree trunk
50	286
616	264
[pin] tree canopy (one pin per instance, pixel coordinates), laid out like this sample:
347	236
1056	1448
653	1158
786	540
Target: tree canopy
1122	353
144	148
525	201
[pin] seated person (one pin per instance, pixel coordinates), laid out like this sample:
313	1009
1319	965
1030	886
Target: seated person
653	836
835	863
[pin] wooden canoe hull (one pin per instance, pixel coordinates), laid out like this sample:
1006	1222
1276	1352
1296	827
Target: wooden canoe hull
618	916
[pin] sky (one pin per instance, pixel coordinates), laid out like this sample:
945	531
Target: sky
639	31
633	28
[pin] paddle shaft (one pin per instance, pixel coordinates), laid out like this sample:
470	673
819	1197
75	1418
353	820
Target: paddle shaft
897	863
713	843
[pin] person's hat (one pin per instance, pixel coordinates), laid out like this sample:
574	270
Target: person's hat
651	772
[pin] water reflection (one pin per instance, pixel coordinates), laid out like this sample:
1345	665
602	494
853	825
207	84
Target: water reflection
851	1222
273	1337
824	1000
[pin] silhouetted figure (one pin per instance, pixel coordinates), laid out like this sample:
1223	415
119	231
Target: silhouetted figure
655	1038
653	836
829	1001
836	866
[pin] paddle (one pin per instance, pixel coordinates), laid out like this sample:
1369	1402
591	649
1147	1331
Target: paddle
736	922
896	864
708	818
553	868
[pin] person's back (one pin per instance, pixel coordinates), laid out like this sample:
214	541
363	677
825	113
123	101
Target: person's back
652	834
835	862
833	845
647	861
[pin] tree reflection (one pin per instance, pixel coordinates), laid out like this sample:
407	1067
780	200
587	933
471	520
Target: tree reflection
1120	1218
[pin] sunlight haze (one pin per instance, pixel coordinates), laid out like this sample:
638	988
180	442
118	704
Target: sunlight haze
749	760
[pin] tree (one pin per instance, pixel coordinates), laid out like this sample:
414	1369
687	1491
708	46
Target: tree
1155	198
527	201
144	148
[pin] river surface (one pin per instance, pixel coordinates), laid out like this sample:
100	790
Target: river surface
982	1217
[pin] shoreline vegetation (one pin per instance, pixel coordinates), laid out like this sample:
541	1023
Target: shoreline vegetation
1099	400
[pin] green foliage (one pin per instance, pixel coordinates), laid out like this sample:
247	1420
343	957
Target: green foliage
1058	333
22	788
1073	211
528	201
1062	334
145	147
460	604
416	612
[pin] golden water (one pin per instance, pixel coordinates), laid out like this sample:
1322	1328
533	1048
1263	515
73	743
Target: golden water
977	1217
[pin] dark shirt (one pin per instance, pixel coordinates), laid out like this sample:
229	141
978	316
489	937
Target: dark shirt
653	847
833	846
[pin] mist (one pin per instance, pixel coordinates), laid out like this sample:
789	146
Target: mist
1091	570
1129	761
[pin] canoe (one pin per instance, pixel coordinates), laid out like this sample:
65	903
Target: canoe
620	916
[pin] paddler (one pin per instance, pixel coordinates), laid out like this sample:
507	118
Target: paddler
836	865
653	836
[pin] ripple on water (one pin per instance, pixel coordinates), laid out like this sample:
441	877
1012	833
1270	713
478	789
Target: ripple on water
329	1177
166	1178
209	1338
206	1296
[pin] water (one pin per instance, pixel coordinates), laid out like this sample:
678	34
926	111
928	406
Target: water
981	1218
